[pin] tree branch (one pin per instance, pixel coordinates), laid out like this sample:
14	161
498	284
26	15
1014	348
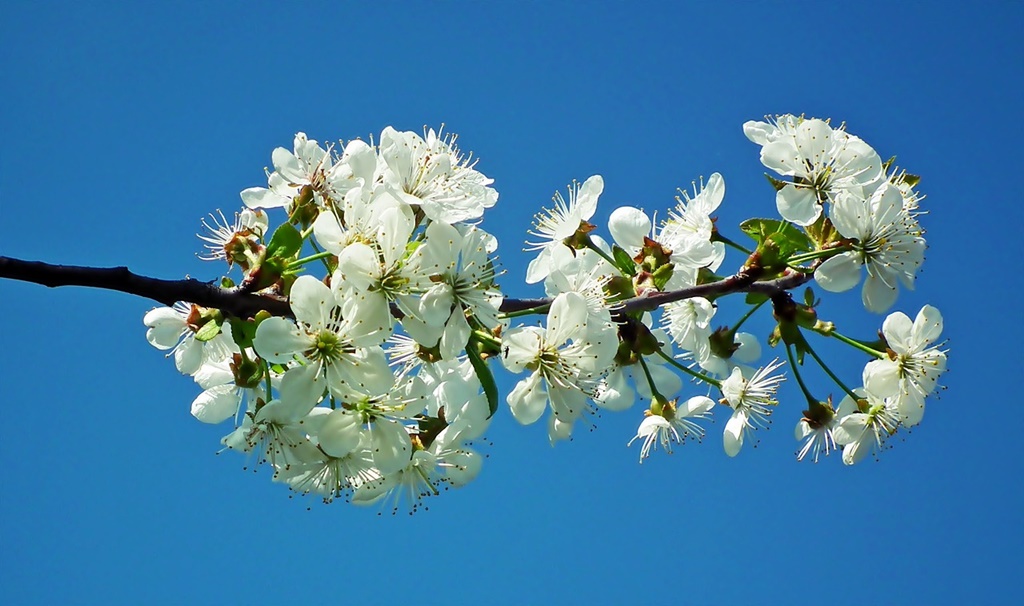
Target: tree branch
244	304
166	292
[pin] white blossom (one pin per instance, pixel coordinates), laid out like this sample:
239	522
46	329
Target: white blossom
175	328
565	360
553	226
888	243
822	161
332	349
751	401
433	174
912	369
306	166
674	425
861	431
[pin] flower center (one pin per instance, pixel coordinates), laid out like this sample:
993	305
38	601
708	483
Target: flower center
327	347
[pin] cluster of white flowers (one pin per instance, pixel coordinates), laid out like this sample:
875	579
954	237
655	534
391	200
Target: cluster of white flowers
895	386
375	386
408	276
875	211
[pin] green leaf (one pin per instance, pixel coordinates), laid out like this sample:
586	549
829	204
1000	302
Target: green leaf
207	331
285	242
623	261
785	236
486	378
809	297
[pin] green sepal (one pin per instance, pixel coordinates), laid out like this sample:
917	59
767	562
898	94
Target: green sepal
429	429
243	332
911	180
645	343
662	275
207	331
285	242
486	378
248	373
823	232
778	184
791	335
227	282
623	261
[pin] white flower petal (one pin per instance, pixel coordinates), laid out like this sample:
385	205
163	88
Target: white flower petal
359	266
340	433
216	404
733	436
261	197
389	445
878	294
311	301
528	399
301	388
278	340
927	326
567	319
798	205
839	273
629	226
521	346
165	326
586	198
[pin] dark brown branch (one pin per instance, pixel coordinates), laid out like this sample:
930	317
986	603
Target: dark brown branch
167	292
742	281
245	305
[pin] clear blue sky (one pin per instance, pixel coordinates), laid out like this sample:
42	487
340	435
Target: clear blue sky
124	125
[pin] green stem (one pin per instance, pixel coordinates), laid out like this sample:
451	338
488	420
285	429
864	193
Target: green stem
854	343
817	254
306	232
486	337
304	260
747	315
601	253
540	309
650	381
266	375
799	379
716	236
693	373
828	371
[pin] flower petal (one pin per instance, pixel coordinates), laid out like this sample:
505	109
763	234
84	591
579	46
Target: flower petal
798	204
629	226
733	437
839	273
528	400
216	404
278	340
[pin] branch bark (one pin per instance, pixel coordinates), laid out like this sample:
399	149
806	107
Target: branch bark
166	292
245	304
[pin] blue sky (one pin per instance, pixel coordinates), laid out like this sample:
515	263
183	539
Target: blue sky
124	125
